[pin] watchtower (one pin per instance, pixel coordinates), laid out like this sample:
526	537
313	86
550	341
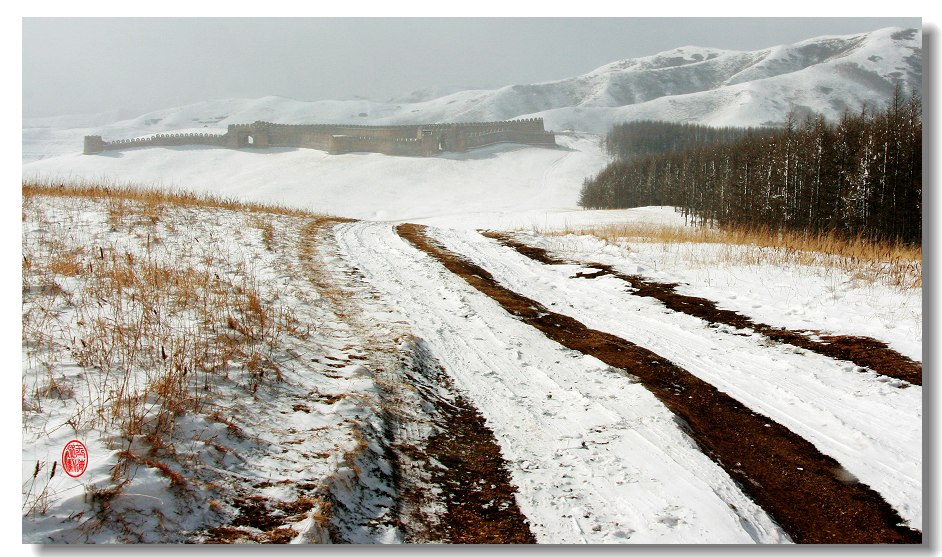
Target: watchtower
93	144
255	135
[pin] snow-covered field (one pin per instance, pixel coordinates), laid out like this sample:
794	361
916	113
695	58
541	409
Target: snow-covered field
594	457
255	395
597	458
586	466
824	400
802	297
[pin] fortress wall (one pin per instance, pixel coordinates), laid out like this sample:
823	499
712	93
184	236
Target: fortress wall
292	136
317	136
385	132
413	147
93	144
165	140
310	139
410	140
473	141
533	124
405	131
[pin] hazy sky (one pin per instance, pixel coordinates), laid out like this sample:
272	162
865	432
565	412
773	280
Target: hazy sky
86	65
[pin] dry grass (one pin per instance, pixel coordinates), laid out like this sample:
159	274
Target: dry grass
267	228
897	265
156	324
152	199
126	325
141	306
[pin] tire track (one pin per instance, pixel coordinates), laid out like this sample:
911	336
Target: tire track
452	482
863	351
472	477
785	474
596	458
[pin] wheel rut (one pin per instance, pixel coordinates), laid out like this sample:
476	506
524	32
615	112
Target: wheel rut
451	478
863	351
469	472
801	488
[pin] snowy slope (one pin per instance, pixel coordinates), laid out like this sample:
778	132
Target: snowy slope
496	179
593	455
588	466
253	438
719	87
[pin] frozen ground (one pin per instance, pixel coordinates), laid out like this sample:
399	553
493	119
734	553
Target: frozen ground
596	458
586	465
803	297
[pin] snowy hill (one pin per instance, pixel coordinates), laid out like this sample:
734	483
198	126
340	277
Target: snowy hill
496	179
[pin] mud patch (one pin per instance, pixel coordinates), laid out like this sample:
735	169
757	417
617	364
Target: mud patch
263	520
785	474
466	468
862	351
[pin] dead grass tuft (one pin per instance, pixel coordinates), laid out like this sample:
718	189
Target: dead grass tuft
67	263
148	327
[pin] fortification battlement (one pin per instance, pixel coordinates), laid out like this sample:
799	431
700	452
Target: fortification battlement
263	123
402	139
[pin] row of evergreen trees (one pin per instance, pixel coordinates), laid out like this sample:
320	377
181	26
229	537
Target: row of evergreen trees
861	176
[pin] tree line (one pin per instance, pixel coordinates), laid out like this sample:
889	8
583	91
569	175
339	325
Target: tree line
858	177
653	137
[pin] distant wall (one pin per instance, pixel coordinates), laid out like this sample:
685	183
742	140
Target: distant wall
527	137
406	140
95	144
412	147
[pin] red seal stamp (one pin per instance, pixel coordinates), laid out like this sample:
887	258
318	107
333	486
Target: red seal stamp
74	458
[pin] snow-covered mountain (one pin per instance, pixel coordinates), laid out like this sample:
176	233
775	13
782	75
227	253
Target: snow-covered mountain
825	75
692	84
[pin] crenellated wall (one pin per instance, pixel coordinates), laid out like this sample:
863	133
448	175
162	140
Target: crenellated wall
95	144
474	141
405	140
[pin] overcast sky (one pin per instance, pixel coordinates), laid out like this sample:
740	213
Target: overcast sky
87	65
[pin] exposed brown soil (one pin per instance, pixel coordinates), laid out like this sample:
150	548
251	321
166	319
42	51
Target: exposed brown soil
262	520
458	466
862	351
799	487
478	493
451	481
